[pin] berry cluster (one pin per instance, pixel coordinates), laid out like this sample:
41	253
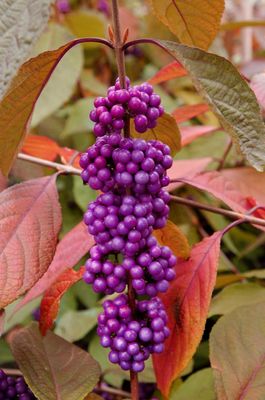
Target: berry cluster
137	102
132	338
131	174
14	388
116	162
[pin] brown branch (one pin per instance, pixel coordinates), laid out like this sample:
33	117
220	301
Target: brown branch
228	213
67	169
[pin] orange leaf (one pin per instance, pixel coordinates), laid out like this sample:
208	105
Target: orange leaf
41	146
187	303
51	300
185	113
174	238
170	71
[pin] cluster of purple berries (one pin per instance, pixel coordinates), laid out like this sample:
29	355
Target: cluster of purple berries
131	173
14	388
137	102
114	162
132	338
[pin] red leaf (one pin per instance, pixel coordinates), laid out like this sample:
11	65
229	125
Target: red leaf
185	169
70	250
185	113
187	302
41	146
51	300
170	71
30	220
190	133
259	213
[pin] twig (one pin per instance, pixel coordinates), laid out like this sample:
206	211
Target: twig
228	213
67	169
12	372
226	152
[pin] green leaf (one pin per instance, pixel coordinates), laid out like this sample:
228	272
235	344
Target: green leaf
53	368
12	319
83	195
78	120
62	83
21	23
237	354
199	386
85	294
236	295
229	96
74	325
5	353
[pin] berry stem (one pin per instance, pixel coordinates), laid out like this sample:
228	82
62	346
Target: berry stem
120	59
118	46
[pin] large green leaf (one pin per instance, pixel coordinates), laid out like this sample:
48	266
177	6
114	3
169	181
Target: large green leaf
236	295
62	82
53	368
229	96
237	354
198	386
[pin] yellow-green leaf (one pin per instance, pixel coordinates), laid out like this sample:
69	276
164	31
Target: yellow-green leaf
166	131
195	23
174	238
199	386
236	295
237	354
86	24
229	96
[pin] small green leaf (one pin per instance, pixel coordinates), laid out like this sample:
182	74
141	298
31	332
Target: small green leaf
83	195
5	353
236	295
74	325
229	96
199	386
53	368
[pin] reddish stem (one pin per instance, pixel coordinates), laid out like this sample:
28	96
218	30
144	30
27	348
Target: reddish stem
120	59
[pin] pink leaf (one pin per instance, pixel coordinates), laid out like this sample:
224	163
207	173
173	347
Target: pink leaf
30	220
257	84
190	133
248	182
187	303
219	186
185	169
70	250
